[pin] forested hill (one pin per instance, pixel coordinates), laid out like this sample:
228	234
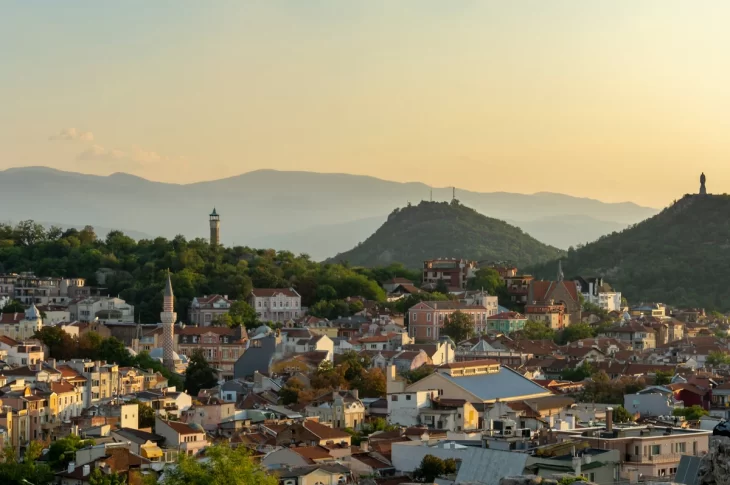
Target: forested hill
140	268
681	256
446	230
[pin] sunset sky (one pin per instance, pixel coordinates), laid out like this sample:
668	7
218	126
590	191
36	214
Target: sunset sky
614	100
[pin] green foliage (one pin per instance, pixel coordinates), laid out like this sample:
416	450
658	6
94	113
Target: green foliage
62	451
14	472
682	267
578	374
570	480
717	358
663	377
145	413
431	468
140	268
692	413
621	415
14	307
537	331
97	477
459	326
575	332
416	375
199	374
486	279
223	465
433	229
605	390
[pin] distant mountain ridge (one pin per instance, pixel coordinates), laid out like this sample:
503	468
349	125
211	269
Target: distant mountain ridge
681	256
272	208
432	230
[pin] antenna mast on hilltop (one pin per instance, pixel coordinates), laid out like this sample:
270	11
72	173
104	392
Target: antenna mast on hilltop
453	193
431	194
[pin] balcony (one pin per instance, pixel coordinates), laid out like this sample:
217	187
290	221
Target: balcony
652	459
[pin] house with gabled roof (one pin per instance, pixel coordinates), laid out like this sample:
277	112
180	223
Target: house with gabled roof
276	304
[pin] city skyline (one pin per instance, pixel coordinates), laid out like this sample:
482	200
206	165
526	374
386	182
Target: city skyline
608	101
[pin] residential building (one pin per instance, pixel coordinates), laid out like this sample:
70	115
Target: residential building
554	315
652	401
30	289
632	333
108	458
209	413
101	308
557	292
320	474
426	318
21	326
646	450
506	322
276	304
389	286
518	287
599	293
341	409
259	355
102	380
204	310
453	272
221	346
186	438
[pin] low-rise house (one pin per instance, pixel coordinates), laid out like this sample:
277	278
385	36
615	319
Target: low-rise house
506	322
342	409
599	293
208	413
632	333
184	437
276	304
334	474
206	309
554	314
259	356
441	352
147	445
652	401
427	318
221	346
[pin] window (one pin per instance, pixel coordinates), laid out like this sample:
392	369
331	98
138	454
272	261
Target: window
428	317
408	397
428	332
394	397
681	447
656	449
414	316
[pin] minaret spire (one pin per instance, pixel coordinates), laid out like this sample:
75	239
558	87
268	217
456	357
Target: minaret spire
168	318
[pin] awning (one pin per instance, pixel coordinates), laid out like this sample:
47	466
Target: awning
152	452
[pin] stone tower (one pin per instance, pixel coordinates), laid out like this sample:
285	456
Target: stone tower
215	228
703	189
168	317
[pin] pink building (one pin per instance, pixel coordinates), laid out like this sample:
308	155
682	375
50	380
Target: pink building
428	317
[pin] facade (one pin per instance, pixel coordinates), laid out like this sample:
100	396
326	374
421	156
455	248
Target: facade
204	310
634	334
221	346
506	322
553	315
30	289
454	272
601	294
103	308
259	356
21	326
184	437
340	409
652	401
276	304
426	318
518	287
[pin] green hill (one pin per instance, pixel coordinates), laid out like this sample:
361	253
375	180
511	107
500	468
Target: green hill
681	256
446	230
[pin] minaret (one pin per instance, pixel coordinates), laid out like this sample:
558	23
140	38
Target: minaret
703	189
168	317
215	228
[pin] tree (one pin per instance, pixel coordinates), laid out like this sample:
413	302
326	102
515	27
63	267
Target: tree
716	358
61	345
63	450
14	307
416	375
430	469
243	314
289	394
14	472
692	413
459	326
145	413
621	415
199	374
663	377
486	279
575	332
97	477
113	350
372	383
223	465
537	331
580	373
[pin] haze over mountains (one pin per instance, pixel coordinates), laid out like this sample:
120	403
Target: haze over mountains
320	214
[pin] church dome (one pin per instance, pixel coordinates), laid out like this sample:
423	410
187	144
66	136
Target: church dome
157	354
32	313
263	330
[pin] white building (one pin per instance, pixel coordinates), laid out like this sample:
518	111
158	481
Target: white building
601	294
21	326
276	304
106	309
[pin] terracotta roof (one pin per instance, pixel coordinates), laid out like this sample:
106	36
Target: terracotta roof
430	349
69	373
267	292
8	341
312	452
324	432
541	290
372	462
11	317
62	386
181	428
206	300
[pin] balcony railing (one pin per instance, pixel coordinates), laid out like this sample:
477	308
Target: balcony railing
649	459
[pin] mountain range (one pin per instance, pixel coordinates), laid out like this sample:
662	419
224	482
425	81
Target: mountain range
317	213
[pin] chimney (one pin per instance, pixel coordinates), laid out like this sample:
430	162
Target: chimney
365	446
86	470
355	393
51	363
609	419
71	467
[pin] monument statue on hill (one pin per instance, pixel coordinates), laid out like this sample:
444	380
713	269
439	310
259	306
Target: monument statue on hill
703	189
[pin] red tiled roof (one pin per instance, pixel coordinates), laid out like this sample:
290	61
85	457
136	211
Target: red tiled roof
8	341
324	432
11	317
205	300
312	452
541	290
265	292
181	428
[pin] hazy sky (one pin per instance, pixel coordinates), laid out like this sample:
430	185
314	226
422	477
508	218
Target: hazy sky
617	100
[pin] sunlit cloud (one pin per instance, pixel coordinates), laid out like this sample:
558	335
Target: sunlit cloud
73	134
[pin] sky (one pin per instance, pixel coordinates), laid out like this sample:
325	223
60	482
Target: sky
616	100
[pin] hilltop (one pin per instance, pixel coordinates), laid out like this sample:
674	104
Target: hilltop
680	256
446	230
316	213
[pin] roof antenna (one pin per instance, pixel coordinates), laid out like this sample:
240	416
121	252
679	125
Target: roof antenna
431	194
